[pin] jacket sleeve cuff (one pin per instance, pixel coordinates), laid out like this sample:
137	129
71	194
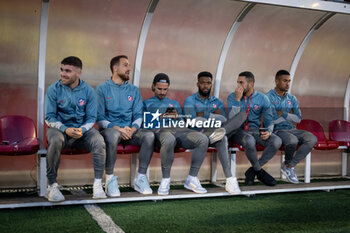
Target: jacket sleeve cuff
83	129
135	125
236	103
63	128
285	114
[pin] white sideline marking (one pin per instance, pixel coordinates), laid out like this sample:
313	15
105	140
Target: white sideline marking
102	219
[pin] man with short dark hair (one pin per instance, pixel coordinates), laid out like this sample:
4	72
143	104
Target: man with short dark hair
119	119
170	137
201	106
286	112
70	113
254	105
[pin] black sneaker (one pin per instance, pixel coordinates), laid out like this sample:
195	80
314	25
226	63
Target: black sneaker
250	176
265	178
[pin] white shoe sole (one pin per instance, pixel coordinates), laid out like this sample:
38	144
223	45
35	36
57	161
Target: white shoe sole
234	192
100	196
55	201
115	195
144	192
163	194
189	187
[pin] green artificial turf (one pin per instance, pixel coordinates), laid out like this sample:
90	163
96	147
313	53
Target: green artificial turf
50	219
293	212
287	212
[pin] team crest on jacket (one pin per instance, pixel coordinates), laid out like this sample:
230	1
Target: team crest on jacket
171	105
214	106
289	102
256	107
81	101
129	98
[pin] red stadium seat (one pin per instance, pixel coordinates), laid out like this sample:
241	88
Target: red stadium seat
18	135
339	130
127	149
176	149
315	127
211	150
121	149
241	148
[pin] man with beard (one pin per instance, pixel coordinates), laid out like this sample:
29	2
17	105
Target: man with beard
119	119
168	138
254	104
286	112
70	113
202	106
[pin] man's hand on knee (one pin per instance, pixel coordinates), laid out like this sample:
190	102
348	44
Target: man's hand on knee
74	132
124	133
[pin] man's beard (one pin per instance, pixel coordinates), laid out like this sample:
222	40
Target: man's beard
204	93
125	77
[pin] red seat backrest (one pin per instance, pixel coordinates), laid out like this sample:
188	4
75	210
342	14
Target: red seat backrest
339	130
313	127
15	128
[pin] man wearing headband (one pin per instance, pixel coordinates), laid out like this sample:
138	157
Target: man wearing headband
168	138
202	106
119	119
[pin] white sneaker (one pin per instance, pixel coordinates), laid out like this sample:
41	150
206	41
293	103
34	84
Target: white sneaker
164	186
290	174
141	185
53	193
217	135
192	183
232	186
98	192
112	189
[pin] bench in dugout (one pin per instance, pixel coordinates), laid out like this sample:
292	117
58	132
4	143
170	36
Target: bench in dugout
322	144
121	149
339	131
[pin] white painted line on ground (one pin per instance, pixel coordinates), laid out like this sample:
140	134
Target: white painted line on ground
102	219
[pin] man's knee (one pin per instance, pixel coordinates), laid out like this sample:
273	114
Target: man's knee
202	140
111	136
310	139
275	141
55	138
167	139
98	141
291	141
248	141
147	137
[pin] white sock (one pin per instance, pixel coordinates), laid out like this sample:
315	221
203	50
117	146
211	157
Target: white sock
108	177
190	177
139	175
165	179
97	181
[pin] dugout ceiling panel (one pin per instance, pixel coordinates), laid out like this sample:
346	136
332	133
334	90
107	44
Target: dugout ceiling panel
266	41
186	37
95	31
19	44
19	41
324	68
